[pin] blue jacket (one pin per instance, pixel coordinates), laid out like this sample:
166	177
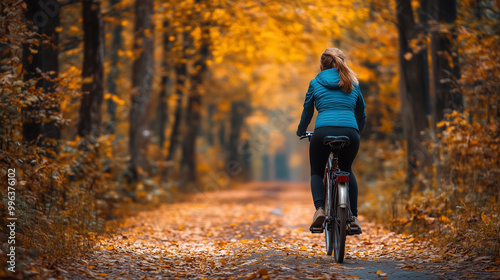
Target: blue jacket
335	107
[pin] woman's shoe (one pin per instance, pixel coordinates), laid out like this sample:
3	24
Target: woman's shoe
319	218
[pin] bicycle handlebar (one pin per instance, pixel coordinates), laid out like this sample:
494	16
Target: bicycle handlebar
306	135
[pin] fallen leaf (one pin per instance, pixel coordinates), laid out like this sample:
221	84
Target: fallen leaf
262	271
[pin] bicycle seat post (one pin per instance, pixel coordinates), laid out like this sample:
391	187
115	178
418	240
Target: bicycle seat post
335	156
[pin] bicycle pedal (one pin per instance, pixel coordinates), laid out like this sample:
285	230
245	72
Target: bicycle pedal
316	229
353	231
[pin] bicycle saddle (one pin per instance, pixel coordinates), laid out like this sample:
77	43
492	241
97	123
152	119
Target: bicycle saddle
336	140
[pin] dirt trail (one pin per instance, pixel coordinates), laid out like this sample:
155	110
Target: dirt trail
258	230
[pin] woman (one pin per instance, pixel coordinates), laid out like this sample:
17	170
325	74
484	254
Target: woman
341	111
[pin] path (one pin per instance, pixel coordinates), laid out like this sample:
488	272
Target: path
256	231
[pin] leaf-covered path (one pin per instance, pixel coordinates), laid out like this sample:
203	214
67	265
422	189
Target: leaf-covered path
258	230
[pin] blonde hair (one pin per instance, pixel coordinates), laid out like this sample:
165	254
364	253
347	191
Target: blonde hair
334	58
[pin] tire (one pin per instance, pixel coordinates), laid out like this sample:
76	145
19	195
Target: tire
328	226
339	234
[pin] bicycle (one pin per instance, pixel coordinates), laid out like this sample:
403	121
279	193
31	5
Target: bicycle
337	224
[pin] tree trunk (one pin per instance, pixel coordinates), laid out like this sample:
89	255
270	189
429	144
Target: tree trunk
445	65
193	112
114	71
162	110
414	83
142	81
45	58
180	69
92	72
239	111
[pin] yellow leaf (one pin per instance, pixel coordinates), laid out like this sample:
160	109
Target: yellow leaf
485	218
303	248
379	271
181	227
441	124
411	239
118	100
102	274
268	239
88	80
444	219
110	247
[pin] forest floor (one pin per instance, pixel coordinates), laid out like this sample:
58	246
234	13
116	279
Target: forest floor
257	230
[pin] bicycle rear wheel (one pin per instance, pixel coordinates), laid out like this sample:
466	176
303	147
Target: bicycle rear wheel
339	231
329	220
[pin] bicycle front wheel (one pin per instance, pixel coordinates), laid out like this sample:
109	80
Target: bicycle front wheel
339	233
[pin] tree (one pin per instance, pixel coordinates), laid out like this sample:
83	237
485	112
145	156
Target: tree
414	86
142	80
445	67
239	111
180	69
92	71
165	91
40	62
114	71
194	107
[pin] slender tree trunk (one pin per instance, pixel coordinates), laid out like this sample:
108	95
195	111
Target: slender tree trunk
414	84
44	57
162	110
142	80
92	72
114	71
239	111
193	111
445	65
180	69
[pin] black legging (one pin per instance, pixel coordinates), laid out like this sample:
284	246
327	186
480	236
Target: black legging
318	155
